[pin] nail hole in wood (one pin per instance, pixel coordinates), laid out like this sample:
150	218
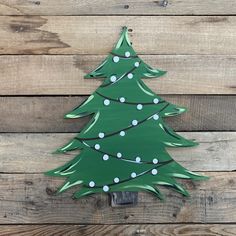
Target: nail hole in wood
164	3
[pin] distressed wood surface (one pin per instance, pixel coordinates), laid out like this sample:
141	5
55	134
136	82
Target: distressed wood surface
97	34
114	7
216	152
29	198
45	114
63	74
121	230
206	67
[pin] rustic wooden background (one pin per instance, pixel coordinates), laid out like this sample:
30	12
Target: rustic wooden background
47	46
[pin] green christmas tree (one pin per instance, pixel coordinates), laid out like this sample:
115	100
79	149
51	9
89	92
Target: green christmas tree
123	147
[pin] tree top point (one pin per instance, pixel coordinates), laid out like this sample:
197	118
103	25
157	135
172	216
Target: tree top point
123	44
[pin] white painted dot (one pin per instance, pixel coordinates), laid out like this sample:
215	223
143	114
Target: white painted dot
155	100
130	75
116	59
133	175
101	135
137	159
127	54
122	99
97	146
136	64
106	102
122	133
154	161
91	184
116	180
134	122
105	188
119	155
154	171
113	78
155	117
139	106
105	157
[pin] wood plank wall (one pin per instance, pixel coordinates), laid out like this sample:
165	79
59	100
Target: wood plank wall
45	49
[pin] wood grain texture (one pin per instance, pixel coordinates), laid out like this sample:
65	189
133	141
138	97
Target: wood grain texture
63	74
97	34
113	7
160	33
30	198
216	152
45	114
120	230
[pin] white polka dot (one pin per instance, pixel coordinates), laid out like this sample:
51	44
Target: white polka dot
91	184
137	159
116	180
130	75
105	188
122	133
133	175
113	78
127	54
155	117
136	64
154	171
101	135
139	106
116	59
122	99
119	155
97	146
105	157
106	102
134	122
155	100
154	161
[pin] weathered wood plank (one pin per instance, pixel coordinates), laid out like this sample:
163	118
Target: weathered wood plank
97	34
113	7
30	199
121	230
63	74
45	114
216	152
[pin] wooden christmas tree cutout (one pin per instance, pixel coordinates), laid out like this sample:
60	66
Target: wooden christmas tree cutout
123	147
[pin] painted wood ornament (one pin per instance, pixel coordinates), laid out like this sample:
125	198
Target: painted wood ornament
123	147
